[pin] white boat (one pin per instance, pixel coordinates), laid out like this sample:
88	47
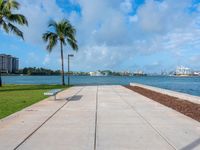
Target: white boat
183	71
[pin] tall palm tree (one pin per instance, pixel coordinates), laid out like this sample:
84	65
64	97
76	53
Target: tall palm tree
8	19
62	32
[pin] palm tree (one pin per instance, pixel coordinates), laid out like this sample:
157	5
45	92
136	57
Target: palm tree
62	32
8	19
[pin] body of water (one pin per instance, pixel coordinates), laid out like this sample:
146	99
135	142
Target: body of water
190	85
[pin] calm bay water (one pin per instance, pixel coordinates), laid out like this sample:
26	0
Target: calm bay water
190	85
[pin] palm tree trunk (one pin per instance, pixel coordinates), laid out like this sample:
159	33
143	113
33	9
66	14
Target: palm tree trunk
0	80
62	72
1	70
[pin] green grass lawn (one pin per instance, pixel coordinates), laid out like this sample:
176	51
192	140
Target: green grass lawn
16	97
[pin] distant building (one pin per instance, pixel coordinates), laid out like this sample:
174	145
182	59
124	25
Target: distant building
139	73
8	64
125	73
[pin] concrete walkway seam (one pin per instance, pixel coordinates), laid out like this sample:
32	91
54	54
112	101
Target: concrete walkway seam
96	120
156	130
68	100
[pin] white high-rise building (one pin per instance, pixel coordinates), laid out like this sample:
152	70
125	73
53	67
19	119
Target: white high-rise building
8	64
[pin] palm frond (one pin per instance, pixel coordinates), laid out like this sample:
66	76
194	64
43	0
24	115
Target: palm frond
18	18
51	38
52	43
1	3
11	4
5	26
45	36
52	24
15	30
69	33
73	44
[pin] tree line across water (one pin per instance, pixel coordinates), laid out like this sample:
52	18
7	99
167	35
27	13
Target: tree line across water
31	71
34	71
38	71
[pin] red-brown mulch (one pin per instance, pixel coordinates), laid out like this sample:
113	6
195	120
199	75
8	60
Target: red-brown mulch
183	106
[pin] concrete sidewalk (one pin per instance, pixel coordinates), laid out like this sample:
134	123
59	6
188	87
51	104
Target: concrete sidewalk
99	118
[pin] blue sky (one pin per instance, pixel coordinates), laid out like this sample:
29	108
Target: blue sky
121	35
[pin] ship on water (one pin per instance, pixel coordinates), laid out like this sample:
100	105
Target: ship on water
183	71
97	73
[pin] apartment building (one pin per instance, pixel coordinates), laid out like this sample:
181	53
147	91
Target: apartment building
8	64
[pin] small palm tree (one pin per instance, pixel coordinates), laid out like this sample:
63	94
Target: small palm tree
62	32
8	19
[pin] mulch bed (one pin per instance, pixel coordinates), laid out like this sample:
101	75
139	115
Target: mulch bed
183	106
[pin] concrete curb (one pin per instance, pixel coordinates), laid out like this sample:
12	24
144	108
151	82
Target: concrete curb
191	98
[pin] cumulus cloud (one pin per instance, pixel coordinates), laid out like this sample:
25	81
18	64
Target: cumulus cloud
126	6
31	59
111	35
133	18
46	60
194	60
38	13
163	16
154	66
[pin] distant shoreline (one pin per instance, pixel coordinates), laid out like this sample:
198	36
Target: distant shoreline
106	75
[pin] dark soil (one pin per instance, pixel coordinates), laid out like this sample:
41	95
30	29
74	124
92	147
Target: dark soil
185	107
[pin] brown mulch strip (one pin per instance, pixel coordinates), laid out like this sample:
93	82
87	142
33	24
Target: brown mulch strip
183	106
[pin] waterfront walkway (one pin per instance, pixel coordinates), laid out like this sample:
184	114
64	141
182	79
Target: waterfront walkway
99	118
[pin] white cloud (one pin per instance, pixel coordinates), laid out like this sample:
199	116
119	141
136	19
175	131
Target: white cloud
46	60
103	57
195	60
38	13
31	59
155	16
133	18
126	6
109	36
154	66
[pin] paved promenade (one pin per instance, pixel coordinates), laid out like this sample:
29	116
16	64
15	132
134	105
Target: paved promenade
99	118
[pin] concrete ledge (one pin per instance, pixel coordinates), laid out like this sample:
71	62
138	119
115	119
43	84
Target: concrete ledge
191	98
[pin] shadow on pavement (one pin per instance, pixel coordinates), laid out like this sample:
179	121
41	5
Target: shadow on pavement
75	98
192	145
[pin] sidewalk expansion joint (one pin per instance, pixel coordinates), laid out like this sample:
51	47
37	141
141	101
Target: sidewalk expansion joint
32	133
96	120
143	118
